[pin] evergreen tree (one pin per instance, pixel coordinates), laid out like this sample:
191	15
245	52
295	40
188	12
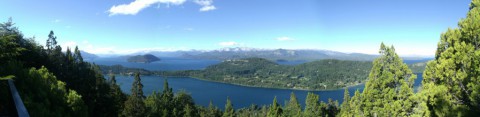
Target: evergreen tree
229	111
167	95
77	56
134	106
451	84
312	106
330	109
345	110
213	111
116	93
154	105
389	89
275	109
181	100
293	108
51	42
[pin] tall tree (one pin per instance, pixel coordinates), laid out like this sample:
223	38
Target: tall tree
116	93
213	111
312	106
229	111
51	41
345	108
275	109
77	56
389	89
134	106
451	84
293	108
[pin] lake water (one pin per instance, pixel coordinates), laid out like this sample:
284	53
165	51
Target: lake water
241	96
167	64
204	91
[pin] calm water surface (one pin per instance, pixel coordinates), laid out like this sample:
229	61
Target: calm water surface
204	91
241	96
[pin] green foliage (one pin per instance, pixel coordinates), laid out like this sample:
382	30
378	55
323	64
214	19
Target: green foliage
292	108
166	104
134	106
118	96
451	84
147	58
252	111
388	91
210	111
312	106
49	97
389	88
229	111
346	105
275	109
258	72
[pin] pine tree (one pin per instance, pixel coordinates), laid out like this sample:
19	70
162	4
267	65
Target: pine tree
229	111
77	56
167	97
345	110
312	106
134	106
51	41
275	109
213	111
293	108
118	96
451	84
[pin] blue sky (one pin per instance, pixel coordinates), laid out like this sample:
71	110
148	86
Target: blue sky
124	26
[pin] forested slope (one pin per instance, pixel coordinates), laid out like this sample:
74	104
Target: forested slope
259	72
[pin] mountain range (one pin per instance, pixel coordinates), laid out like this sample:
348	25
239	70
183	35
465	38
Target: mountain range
270	54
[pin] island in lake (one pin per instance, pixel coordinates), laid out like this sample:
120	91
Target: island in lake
147	58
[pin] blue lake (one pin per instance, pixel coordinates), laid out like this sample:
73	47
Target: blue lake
205	91
167	64
241	96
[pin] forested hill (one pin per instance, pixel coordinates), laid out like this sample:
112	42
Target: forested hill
259	72
147	58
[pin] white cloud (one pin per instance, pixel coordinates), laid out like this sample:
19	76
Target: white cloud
189	29
68	44
56	21
284	39
229	43
207	5
136	6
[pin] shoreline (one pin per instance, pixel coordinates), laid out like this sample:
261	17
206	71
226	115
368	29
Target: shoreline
252	86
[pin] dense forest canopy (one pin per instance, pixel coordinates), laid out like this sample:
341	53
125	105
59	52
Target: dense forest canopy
259	72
